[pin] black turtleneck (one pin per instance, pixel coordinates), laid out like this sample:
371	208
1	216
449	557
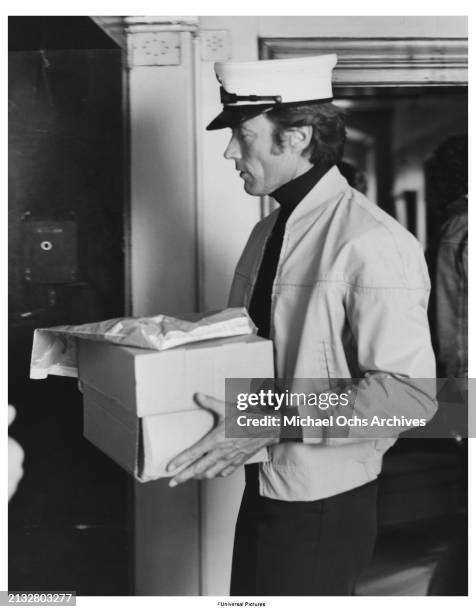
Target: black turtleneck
290	194
288	197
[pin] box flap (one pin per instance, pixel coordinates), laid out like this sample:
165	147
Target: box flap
111	428
109	368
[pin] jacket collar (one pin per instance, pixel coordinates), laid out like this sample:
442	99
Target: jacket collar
326	191
292	193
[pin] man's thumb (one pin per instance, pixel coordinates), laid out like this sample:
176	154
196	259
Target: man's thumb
207	402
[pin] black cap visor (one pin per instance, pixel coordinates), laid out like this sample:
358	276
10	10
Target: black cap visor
234	115
229	117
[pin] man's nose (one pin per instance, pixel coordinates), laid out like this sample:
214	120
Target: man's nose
232	151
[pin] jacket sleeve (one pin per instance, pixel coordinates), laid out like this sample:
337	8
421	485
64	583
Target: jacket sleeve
386	312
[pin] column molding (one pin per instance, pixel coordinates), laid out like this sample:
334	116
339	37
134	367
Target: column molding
132	32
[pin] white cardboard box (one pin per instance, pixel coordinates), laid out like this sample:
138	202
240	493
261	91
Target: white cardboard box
138	406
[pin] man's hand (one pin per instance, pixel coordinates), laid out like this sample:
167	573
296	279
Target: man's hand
215	455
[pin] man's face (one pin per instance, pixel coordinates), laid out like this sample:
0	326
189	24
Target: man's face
261	164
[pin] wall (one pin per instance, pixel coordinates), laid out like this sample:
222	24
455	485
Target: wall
228	213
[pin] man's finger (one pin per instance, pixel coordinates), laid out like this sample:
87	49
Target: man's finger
216	469
234	464
228	470
188	456
196	470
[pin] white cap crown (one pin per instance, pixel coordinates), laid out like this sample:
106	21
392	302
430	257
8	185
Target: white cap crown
292	80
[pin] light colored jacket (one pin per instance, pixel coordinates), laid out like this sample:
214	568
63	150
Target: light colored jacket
349	300
451	293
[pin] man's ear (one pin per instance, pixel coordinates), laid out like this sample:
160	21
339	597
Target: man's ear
298	138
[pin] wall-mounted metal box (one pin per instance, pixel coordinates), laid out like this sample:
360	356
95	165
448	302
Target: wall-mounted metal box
50	251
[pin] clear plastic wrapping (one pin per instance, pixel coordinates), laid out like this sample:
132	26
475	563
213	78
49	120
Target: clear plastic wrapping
54	348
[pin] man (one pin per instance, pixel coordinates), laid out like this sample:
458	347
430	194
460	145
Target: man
341	289
447	190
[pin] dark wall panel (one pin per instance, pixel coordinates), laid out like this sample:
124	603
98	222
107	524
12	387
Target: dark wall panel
70	519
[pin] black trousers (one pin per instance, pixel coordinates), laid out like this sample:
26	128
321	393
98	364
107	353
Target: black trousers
302	548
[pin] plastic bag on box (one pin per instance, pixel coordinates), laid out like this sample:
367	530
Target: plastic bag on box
54	348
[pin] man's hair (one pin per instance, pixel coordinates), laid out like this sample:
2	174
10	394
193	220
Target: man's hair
328	133
354	176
